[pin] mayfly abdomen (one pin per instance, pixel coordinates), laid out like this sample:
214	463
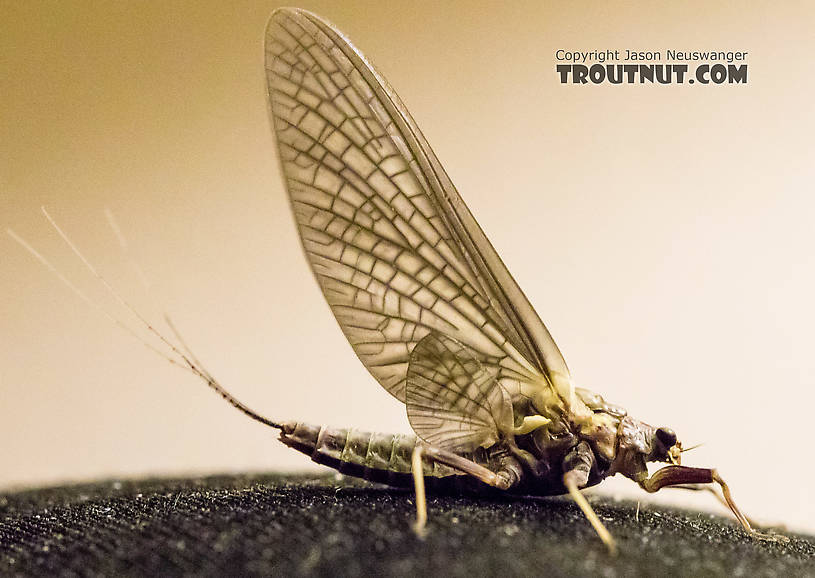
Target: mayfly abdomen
376	457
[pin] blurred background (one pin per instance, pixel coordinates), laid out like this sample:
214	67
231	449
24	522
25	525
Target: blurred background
664	233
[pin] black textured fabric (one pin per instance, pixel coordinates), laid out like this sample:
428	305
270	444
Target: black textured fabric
294	525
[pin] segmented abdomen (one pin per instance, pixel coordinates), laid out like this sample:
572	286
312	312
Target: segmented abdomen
377	457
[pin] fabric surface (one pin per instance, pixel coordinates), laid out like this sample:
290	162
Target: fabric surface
295	525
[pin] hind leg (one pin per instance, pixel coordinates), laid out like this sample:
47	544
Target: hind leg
424	453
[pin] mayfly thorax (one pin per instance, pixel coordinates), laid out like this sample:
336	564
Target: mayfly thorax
427	304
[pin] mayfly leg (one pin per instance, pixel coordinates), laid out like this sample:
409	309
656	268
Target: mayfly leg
684	476
502	480
711	490
418	483
577	465
569	480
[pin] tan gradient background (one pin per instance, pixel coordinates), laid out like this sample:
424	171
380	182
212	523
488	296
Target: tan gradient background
665	234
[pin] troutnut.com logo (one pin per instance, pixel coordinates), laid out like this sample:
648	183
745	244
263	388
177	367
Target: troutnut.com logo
650	67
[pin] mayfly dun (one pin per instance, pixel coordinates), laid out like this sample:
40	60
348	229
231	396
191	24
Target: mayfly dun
428	306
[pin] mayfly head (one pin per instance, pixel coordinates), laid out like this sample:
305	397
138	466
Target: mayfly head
666	447
661	445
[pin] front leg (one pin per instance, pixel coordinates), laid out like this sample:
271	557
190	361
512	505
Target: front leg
684	475
712	491
577	466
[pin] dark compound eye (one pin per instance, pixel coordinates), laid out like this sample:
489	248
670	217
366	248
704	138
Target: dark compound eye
666	437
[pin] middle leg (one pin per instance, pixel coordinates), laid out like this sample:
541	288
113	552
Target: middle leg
576	466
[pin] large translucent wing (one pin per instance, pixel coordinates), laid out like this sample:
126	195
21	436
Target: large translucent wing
453	400
394	249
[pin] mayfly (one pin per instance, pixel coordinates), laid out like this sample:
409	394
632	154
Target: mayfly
428	306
